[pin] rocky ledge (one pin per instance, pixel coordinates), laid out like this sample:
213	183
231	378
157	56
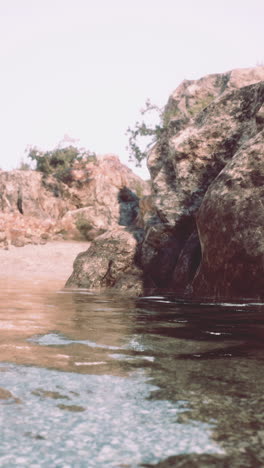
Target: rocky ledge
201	233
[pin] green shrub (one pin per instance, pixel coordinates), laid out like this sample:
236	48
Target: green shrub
59	161
159	133
84	226
140	130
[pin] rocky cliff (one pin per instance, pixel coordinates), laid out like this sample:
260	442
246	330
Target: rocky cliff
214	122
204	229
98	194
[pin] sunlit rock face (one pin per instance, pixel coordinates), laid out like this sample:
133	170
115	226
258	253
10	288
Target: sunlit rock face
28	209
97	196
207	173
110	262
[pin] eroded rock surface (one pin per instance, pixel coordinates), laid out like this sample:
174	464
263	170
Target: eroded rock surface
110	262
214	140
94	198
203	223
231	228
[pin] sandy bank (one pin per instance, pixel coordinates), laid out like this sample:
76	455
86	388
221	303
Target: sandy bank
50	262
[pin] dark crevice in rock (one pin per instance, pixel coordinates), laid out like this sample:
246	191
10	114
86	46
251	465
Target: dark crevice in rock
252	98
129	212
221	81
167	244
188	263
20	202
128	206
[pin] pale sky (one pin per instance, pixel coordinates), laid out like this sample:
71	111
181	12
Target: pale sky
85	67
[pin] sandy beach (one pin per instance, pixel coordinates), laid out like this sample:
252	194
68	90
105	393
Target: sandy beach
51	262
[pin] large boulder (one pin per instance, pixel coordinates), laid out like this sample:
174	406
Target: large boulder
198	152
231	228
110	262
209	122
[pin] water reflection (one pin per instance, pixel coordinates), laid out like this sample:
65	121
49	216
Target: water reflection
201	364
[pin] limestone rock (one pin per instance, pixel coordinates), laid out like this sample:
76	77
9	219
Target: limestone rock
110	262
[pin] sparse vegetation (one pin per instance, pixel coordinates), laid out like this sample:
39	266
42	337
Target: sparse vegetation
200	105
59	161
84	226
157	132
137	147
143	136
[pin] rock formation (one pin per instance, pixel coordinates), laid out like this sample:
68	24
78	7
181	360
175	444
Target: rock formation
109	263
233	254
203	235
99	194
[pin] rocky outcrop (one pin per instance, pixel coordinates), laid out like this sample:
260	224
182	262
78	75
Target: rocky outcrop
203	225
24	192
233	253
98	195
28	209
104	190
110	262
213	122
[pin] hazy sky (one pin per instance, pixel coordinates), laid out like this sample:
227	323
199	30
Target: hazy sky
85	67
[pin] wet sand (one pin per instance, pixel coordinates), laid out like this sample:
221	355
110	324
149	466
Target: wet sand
51	262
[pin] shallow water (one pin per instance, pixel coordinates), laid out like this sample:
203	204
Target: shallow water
96	380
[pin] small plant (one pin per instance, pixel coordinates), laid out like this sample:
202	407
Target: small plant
137	150
158	131
169	119
84	226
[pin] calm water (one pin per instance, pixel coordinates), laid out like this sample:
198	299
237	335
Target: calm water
91	380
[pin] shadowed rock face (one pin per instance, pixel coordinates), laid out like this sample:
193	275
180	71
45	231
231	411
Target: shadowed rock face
231	228
215	124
